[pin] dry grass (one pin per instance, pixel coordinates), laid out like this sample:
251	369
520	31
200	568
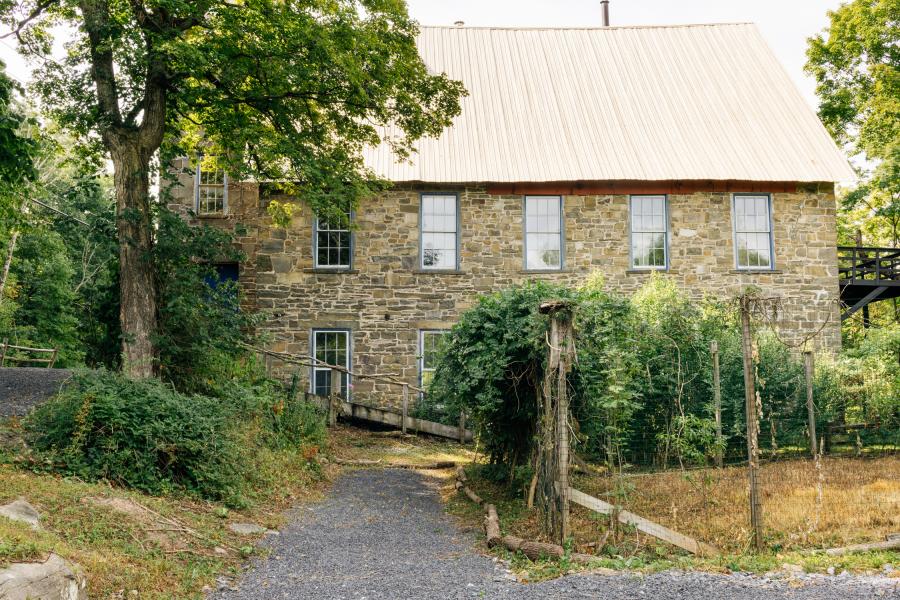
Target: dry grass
860	501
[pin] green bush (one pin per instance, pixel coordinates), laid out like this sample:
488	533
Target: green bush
145	435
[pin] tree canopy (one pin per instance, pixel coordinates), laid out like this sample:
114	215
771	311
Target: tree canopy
287	90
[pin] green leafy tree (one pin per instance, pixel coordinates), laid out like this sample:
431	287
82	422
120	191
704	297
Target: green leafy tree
17	151
282	90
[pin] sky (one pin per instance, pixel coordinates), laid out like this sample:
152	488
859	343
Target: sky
785	24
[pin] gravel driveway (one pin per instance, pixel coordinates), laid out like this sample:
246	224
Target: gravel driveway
383	535
23	387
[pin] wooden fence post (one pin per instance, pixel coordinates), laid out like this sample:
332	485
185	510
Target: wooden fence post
334	399
717	401
462	427
810	405
752	425
3	351
405	407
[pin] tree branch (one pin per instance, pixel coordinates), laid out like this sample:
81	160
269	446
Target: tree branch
96	23
34	14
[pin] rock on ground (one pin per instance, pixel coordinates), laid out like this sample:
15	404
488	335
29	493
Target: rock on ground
247	528
53	579
383	534
20	510
21	388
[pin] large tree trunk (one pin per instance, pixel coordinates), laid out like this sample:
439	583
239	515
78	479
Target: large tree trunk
137	286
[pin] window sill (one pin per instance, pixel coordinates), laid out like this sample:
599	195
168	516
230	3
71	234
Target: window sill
438	272
648	271
212	216
327	271
756	271
543	271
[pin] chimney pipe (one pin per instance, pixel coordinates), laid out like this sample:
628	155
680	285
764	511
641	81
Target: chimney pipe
459	23
605	4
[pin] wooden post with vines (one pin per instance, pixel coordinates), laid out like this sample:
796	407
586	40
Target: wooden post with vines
717	401
405	408
752	423
810	404
554	427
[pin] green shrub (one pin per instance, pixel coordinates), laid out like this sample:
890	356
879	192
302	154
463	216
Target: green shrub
141	434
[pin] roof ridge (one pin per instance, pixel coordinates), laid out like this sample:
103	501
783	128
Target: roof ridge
581	27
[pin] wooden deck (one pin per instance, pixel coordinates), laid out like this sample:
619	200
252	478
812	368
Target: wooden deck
867	275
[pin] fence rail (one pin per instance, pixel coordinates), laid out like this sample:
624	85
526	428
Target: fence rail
5	356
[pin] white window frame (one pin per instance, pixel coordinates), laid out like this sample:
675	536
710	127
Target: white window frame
317	228
421	360
345	385
632	232
735	233
561	233
423	233
198	174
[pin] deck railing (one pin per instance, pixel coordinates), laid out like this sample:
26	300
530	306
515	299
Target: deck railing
860	263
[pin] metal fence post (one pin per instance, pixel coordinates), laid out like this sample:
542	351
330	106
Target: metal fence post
405	407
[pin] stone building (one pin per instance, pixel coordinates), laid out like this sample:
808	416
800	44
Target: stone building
684	150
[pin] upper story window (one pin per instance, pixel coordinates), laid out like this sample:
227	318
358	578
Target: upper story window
543	233
439	224
211	190
649	232
752	218
430	342
333	243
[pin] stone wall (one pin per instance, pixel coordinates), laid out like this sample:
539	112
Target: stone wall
385	299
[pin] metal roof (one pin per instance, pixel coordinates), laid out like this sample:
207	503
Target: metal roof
689	102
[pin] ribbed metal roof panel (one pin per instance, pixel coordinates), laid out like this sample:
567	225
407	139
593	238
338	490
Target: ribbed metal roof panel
690	102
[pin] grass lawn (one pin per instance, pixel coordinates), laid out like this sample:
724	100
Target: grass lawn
173	546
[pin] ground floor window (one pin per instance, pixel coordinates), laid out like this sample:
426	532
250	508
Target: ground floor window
330	347
430	341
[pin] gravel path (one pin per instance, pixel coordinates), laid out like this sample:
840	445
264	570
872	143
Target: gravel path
383	535
23	387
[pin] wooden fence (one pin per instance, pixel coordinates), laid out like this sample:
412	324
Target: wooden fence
5	355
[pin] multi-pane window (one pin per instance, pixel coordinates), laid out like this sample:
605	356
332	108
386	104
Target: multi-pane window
440	239
753	231
543	232
429	347
329	347
333	243
649	224
212	191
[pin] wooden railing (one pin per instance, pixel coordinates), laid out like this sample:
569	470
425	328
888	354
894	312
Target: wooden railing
5	355
860	263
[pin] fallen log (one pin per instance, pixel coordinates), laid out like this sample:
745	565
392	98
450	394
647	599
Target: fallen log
461	474
891	543
473	496
441	464
491	525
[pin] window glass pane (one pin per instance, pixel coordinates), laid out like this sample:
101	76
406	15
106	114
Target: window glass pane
210	191
648	232
543	232
752	232
333	240
331	347
439	232
429	348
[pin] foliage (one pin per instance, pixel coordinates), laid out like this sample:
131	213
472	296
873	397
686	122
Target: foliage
47	313
145	435
141	434
17	149
642	389
201	325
